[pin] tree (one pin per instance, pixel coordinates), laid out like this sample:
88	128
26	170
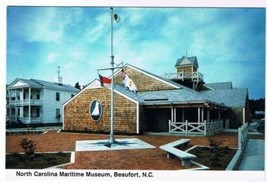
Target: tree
256	105
77	85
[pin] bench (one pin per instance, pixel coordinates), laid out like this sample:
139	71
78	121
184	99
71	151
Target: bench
173	149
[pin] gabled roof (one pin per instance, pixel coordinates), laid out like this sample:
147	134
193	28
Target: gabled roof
21	82
34	83
220	85
185	61
157	77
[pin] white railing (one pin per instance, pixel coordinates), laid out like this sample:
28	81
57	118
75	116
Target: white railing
195	128
26	120
34	118
213	126
242	136
242	142
181	75
26	102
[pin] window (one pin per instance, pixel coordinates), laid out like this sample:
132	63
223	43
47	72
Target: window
57	96
38	95
72	95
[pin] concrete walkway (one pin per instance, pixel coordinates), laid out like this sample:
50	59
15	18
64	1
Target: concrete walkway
253	158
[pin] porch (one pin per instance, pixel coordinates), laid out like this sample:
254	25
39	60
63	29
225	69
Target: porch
195	128
26	114
199	120
26	120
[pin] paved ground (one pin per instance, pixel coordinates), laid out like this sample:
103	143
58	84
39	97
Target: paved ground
140	159
253	158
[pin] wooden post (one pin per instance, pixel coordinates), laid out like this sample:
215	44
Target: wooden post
186	127
198	115
29	121
169	126
202	114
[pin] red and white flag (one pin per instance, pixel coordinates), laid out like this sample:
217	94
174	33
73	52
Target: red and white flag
104	81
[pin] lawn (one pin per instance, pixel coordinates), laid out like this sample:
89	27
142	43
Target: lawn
40	160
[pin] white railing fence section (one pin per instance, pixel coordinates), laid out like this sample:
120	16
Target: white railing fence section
242	136
195	128
181	75
242	142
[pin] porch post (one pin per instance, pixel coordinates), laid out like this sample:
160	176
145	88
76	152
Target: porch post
22	106
29	121
16	108
174	114
198	114
202	114
172	118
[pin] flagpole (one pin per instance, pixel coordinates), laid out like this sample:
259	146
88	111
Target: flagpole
111	137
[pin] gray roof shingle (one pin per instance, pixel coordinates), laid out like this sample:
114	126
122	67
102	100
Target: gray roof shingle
235	97
219	85
56	86
34	83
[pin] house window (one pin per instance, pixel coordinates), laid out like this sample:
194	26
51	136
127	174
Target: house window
57	96
38	96
72	95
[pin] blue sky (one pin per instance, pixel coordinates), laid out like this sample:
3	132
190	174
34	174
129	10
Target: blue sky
228	42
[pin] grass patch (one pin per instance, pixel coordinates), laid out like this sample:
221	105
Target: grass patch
40	161
214	158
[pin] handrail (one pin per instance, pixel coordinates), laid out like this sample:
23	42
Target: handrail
181	75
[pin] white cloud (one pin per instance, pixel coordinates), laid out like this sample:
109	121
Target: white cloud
52	57
48	24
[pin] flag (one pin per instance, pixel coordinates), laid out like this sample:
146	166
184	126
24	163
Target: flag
104	81
128	83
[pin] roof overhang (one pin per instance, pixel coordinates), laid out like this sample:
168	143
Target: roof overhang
189	104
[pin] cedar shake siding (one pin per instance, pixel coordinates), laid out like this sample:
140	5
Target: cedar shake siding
77	117
142	81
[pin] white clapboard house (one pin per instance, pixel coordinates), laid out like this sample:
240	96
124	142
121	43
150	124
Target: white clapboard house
33	101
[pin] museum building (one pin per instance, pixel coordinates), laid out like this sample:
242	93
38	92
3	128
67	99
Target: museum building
180	103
